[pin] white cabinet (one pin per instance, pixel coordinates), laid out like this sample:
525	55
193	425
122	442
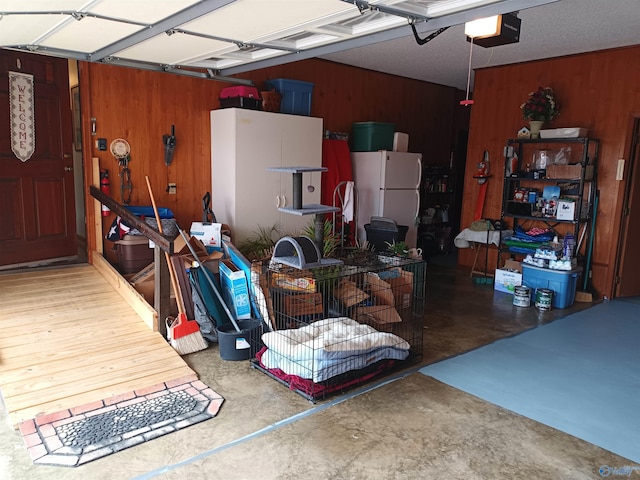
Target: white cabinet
244	143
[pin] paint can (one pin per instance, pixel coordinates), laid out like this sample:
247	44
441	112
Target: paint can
522	296
544	296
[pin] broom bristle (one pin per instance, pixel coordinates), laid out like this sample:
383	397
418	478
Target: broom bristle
184	335
584	297
193	342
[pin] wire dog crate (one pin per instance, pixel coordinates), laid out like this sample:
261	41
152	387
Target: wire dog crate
336	327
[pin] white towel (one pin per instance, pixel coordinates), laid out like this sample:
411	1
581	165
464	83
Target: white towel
347	204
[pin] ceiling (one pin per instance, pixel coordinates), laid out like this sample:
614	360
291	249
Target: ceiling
218	38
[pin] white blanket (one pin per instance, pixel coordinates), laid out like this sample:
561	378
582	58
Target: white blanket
329	347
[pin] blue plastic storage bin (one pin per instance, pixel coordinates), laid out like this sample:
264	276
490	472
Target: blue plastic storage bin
144	211
296	95
562	282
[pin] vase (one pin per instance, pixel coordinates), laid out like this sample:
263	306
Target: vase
534	128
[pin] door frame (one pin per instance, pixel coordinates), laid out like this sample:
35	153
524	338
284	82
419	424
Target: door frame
632	151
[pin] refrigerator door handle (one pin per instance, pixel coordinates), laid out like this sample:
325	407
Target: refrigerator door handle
419	172
416	219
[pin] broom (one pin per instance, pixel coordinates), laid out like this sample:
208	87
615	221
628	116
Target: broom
183	334
585	295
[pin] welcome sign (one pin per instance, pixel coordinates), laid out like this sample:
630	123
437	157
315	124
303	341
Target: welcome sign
21	101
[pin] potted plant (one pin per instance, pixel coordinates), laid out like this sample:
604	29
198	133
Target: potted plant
395	252
330	241
259	245
540	107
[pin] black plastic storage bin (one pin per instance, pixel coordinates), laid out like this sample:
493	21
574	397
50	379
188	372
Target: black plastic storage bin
241	102
380	232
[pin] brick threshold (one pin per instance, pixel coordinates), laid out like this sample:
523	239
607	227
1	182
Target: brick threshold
76	436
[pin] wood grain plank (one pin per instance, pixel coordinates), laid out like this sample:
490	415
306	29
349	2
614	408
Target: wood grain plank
69	338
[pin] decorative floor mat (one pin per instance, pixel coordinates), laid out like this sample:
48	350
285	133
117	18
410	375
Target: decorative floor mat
74	437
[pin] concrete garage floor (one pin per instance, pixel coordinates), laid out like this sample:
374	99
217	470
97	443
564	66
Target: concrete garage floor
406	426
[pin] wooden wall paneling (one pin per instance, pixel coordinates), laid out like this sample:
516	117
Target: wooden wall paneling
598	91
343	95
140	106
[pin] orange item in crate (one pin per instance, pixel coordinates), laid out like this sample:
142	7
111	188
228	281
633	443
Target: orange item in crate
271	100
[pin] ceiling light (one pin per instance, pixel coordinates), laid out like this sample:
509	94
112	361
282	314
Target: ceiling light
483	27
494	31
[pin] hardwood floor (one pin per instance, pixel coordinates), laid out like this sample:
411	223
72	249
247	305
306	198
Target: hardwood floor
68	338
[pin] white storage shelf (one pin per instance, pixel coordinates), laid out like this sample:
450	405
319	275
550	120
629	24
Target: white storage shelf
244	143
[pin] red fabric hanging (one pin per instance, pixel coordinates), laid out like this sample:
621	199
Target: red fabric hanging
337	158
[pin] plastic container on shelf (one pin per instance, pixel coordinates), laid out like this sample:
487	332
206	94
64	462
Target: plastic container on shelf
296	95
372	136
568	132
379	236
133	253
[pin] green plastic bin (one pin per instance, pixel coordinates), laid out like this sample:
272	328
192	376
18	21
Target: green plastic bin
372	136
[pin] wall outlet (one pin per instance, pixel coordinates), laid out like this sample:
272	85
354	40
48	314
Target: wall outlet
171	189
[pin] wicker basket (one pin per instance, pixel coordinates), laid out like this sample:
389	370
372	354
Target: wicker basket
270	101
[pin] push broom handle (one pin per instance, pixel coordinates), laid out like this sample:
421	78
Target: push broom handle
210	280
172	273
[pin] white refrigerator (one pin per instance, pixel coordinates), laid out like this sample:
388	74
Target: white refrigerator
388	185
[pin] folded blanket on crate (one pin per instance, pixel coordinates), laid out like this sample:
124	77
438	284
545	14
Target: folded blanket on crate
329	347
534	234
528	241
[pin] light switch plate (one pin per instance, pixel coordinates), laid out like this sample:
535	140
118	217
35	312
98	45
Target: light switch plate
620	169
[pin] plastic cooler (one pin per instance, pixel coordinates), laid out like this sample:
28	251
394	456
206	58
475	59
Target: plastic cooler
296	95
562	282
372	136
381	231
133	253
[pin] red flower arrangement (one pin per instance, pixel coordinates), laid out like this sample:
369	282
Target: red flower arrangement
541	105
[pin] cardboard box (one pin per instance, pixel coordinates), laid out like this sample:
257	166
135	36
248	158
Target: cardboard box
506	281
349	294
510	264
380	317
400	142
210	234
395	291
145	284
303	304
144	274
235	290
566	210
292	282
210	260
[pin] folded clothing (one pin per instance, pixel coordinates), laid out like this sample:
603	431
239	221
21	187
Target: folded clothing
534	234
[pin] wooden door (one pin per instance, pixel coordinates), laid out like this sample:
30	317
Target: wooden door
37	210
628	266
